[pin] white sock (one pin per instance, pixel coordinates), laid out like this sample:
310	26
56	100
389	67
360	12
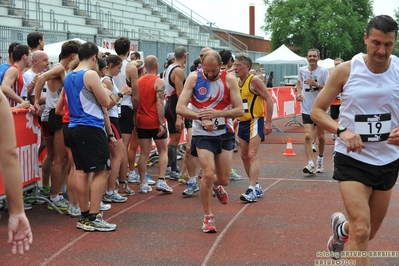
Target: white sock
214	187
311	163
54	199
109	193
341	231
193	179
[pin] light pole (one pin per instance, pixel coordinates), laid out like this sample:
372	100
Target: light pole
210	32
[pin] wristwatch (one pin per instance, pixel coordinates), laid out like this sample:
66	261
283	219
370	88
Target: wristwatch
112	135
120	94
340	129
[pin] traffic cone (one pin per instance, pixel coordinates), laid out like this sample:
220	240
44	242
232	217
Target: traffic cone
289	151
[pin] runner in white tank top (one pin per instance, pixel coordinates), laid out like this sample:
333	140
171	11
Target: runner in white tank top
366	156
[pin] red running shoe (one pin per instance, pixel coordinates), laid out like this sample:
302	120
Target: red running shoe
221	194
208	225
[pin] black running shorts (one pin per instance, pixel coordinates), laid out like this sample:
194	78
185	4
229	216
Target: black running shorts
382	177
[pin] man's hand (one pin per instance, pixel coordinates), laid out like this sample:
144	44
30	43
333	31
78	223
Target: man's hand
208	124
19	233
353	141
179	124
268	128
393	137
208	113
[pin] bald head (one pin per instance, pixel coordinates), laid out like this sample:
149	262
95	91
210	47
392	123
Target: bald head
151	63
40	61
38	54
211	56
203	51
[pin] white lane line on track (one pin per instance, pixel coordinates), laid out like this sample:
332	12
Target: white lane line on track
86	233
220	237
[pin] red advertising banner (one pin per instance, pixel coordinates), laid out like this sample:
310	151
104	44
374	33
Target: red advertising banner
28	135
284	102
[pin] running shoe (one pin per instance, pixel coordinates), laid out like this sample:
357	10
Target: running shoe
163	186
62	204
133	177
308	169
124	189
183	179
173	176
319	168
104	207
221	194
314	147
192	187
208	224
99	224
234	176
74	212
249	196
336	244
149	180
82	222
259	190
145	188
115	197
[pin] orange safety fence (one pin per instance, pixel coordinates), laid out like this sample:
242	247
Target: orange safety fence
28	136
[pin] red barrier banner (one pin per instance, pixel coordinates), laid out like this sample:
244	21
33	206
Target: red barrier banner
28	136
284	102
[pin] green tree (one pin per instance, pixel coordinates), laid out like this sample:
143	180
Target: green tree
335	27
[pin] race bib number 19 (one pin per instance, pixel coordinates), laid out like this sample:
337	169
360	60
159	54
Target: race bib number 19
374	127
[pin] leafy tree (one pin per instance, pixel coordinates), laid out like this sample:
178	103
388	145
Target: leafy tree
335	27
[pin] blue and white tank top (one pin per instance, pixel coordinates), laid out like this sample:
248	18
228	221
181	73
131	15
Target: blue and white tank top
84	109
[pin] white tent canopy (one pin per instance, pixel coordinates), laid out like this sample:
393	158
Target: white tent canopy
327	63
282	55
53	50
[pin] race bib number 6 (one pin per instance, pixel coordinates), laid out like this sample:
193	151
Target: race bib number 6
373	127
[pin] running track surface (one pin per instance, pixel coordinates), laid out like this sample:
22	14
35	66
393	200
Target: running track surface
288	226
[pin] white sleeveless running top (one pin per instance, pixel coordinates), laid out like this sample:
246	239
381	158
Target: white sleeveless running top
120	81
370	107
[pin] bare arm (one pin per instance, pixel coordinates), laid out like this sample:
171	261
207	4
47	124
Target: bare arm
323	101
30	87
59	108
131	74
160	94
19	231
10	77
108	129
259	87
93	83
41	80
178	80
327	96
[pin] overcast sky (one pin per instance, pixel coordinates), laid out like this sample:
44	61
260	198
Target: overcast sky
234	14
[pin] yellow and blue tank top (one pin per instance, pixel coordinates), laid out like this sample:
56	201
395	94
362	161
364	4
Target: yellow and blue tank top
253	104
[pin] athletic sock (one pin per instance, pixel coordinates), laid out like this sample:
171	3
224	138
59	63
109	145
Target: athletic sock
341	231
193	179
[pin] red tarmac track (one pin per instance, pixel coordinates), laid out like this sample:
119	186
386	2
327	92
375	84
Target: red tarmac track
288	226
